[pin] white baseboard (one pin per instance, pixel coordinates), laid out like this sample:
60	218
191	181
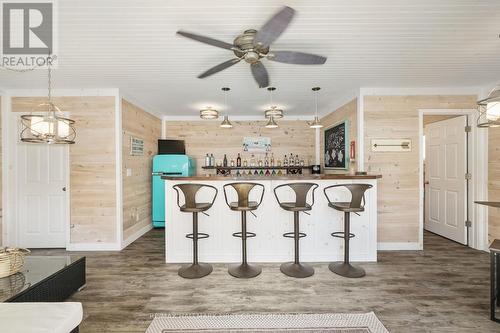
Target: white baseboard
136	235
94	247
406	246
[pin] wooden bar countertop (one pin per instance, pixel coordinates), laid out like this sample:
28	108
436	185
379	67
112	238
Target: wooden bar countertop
284	177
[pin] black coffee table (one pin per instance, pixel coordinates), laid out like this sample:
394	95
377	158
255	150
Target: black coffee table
44	279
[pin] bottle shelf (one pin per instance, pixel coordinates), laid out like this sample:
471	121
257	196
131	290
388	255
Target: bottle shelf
222	170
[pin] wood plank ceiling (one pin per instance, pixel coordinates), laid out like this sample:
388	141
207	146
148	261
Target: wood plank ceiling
132	45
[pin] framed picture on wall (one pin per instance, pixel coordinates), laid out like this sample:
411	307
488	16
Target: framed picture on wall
337	146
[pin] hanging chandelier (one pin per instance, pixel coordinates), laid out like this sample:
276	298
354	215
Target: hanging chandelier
489	110
273	112
225	122
315	123
45	124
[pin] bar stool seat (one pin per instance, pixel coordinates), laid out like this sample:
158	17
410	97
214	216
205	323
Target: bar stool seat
345	207
244	205
196	269
252	205
198	208
292	207
296	268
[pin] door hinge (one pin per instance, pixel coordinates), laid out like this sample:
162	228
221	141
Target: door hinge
468	176
468	129
468	224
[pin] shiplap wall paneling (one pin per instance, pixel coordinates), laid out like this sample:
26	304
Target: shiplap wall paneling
137	187
394	117
92	165
202	137
349	112
493	182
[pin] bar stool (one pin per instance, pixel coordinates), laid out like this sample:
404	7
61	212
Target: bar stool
296	268
356	205
196	269
244	270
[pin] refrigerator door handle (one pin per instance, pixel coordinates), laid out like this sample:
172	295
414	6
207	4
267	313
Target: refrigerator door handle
167	173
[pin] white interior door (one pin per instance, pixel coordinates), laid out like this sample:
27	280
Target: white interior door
43	205
445	183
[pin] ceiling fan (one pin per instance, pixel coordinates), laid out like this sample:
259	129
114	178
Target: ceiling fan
252	46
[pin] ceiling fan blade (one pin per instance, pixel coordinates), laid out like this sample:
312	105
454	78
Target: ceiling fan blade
274	27
206	40
260	75
298	58
219	67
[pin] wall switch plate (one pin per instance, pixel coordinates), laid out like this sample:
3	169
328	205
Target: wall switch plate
129	172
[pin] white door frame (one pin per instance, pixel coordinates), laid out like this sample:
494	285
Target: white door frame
478	167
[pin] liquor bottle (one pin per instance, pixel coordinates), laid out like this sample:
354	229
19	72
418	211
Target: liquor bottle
212	160
232	164
252	160
261	164
238	161
272	159
285	161
302	163
266	161
224	162
291	160
279	163
245	163
297	161
207	160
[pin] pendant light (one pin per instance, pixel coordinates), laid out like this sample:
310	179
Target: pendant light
226	123
273	112
316	123
489	110
47	125
209	113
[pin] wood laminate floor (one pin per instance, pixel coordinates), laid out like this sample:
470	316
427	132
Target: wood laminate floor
444	288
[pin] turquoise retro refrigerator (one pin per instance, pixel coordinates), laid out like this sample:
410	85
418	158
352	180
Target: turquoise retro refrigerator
167	165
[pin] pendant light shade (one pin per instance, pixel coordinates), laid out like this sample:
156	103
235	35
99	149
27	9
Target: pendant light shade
209	113
271	123
46	124
489	110
315	123
226	123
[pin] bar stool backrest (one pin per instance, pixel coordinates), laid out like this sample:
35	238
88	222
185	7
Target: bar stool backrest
357	194
243	191
189	191
301	190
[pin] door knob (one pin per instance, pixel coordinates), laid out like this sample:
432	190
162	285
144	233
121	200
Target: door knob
426	183
64	189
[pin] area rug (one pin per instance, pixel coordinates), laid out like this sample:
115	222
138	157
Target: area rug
256	323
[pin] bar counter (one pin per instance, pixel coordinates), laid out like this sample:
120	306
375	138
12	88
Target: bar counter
271	222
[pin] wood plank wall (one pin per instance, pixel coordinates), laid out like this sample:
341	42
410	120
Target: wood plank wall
494	182
1	160
92	165
137	188
398	190
204	137
348	111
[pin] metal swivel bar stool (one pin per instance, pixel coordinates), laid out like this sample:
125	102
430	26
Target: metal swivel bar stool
356	205
244	270
196	269
295	268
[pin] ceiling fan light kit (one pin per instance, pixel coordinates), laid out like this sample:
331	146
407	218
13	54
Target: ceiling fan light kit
252	46
489	109
274	112
209	113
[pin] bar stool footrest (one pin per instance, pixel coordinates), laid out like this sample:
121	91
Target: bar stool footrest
201	235
292	234
341	234
240	234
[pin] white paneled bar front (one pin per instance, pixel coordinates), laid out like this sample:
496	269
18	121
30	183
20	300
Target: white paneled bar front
270	224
